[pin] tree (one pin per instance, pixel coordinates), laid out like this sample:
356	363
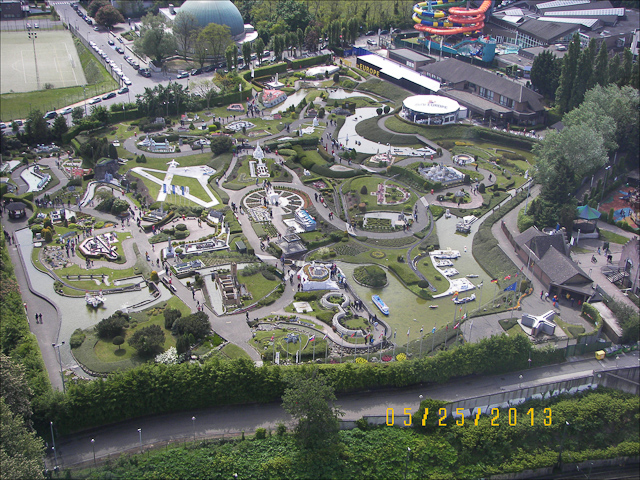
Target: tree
108	16
119	340
36	128
155	41
216	37
100	113
309	400
614	69
59	127
205	88
278	46
21	450
625	70
112	326
14	388
185	25
568	75
196	324
221	144
200	50
76	115
545	73
601	70
246	53
96	5
258	47
582	80
311	37
170	316
300	39
148	340
229	54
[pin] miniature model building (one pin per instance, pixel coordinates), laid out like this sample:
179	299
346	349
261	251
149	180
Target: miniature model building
230	287
540	323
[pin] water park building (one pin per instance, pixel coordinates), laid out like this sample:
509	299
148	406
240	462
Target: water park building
392	72
487	94
432	110
410	58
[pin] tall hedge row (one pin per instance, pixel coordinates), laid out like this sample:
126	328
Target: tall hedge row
153	389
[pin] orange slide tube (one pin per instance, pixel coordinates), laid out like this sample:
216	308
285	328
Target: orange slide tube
474	17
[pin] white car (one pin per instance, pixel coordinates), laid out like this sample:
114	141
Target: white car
66	111
126	80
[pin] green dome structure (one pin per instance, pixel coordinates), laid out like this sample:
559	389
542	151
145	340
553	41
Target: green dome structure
222	12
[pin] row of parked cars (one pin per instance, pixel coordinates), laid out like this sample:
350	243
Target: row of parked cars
111	63
82	15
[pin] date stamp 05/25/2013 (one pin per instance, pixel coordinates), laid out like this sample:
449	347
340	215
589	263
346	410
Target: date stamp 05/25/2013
442	415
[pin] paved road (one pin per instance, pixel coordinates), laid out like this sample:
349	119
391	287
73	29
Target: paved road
219	421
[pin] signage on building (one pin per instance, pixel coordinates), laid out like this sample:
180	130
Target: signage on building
368	69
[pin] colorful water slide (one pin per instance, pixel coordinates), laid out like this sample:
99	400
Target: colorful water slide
430	17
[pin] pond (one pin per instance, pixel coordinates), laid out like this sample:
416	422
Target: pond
293	99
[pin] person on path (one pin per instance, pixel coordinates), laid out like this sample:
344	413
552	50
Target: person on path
541	294
247	314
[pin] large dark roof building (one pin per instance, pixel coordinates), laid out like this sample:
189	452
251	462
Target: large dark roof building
548	257
487	94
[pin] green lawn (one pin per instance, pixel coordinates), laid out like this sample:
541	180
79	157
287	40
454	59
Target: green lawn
258	285
370	130
263	339
384	89
234	352
241	177
356	184
612	237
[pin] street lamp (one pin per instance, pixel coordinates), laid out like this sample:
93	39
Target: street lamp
93	445
140	434
604	185
53	440
193	421
520	377
58	345
406	465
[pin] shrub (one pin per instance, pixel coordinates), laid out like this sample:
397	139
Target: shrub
196	324
364	190
154	276
148	340
77	338
112	326
261	433
482	188
221	144
281	429
181	227
170	316
119	340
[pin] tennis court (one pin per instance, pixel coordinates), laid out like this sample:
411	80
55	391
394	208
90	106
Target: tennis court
55	61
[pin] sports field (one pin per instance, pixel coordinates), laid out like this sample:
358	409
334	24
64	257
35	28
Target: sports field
55	57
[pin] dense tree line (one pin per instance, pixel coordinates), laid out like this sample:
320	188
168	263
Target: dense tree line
189	386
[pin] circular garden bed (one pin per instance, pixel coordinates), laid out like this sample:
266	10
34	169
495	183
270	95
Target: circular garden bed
370	276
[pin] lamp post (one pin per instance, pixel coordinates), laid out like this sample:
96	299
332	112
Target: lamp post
406	465
564	432
33	36
58	345
140	435
53	440
604	185
193	421
421	337
93	446
520	378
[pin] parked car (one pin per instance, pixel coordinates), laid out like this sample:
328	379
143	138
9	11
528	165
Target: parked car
89	21
126	81
93	101
123	90
66	111
111	42
384	32
109	95
52	114
196	71
396	30
370	33
120	50
120	40
35	25
209	68
182	75
371	42
144	72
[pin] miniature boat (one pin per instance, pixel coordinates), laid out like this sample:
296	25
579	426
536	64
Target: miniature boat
94	300
433	306
380	304
459	301
471	275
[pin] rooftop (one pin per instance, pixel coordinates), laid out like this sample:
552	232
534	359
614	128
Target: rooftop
393	69
409	54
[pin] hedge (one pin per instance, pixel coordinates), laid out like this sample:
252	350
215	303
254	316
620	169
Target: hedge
307	62
269	71
167	217
233	97
194	386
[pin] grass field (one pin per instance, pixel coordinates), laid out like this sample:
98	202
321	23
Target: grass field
29	64
384	89
18	105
